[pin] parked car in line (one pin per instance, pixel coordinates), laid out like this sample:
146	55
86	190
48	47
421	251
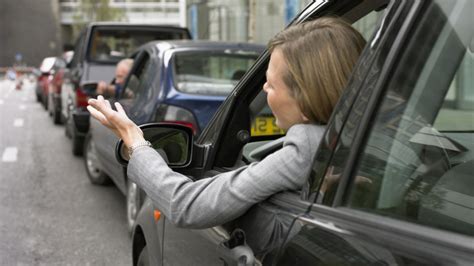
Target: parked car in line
97	50
398	153
172	81
54	88
49	66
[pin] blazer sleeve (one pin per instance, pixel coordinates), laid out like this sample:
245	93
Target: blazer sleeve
216	200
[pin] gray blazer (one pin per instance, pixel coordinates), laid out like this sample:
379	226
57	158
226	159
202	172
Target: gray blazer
219	199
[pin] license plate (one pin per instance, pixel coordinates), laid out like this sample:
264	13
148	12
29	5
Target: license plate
265	126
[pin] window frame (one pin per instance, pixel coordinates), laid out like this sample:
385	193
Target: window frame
370	128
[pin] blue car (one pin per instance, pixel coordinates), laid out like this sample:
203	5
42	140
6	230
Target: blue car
182	82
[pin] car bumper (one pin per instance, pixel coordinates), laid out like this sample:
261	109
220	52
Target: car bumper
81	122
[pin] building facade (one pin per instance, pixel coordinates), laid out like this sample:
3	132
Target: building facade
29	31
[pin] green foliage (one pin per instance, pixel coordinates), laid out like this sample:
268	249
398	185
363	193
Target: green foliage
95	10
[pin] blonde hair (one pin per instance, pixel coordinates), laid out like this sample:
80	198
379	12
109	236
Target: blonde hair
320	55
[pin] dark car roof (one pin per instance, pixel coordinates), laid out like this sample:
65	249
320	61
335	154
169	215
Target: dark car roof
129	25
201	45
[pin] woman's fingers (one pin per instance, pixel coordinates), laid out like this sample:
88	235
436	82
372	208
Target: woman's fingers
107	103
96	114
119	108
101	105
99	116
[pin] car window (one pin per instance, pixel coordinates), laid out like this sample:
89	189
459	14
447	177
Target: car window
78	47
112	44
209	73
263	122
136	86
47	64
418	160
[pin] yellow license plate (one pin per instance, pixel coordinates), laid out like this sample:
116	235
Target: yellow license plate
265	126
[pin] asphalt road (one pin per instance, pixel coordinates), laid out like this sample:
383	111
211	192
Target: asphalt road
50	214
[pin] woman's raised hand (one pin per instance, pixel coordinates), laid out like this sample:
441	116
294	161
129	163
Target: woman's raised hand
117	121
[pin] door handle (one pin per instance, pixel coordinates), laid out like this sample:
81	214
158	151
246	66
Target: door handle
235	250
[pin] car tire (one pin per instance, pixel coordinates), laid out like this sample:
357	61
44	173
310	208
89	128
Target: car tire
77	143
143	258
67	130
134	202
56	115
50	108
56	118
45	102
91	162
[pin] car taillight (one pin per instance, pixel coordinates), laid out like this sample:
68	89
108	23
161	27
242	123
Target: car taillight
81	98
177	115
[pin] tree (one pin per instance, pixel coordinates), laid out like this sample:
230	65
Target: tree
95	10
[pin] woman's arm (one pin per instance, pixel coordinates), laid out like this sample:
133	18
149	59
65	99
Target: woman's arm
219	199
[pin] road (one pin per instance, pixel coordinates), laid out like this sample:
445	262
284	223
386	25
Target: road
50	214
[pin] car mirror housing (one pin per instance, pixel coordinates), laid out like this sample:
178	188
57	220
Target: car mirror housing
90	88
174	142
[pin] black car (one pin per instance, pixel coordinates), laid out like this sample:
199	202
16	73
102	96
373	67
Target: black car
397	156
98	49
179	81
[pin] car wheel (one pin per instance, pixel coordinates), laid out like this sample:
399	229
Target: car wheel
45	102
67	130
143	259
134	202
93	168
56	116
77	143
50	107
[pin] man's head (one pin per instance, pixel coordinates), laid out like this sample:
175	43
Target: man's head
121	72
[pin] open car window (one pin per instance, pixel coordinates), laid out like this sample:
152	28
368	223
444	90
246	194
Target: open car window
210	73
263	127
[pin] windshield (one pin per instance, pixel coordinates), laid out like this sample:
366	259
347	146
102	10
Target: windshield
47	64
210	73
112	44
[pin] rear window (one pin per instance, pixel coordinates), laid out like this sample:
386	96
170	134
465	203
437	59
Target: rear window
208	73
112	44
47	64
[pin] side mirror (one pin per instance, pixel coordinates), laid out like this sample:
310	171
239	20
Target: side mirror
174	142
89	88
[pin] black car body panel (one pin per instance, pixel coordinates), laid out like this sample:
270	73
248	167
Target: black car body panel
382	130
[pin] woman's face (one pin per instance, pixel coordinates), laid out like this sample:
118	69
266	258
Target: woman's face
284	107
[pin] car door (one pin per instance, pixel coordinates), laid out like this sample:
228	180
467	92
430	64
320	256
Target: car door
393	186
227	138
136	86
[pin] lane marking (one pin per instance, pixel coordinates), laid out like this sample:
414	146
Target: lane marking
1	101
18	122
10	155
22	107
